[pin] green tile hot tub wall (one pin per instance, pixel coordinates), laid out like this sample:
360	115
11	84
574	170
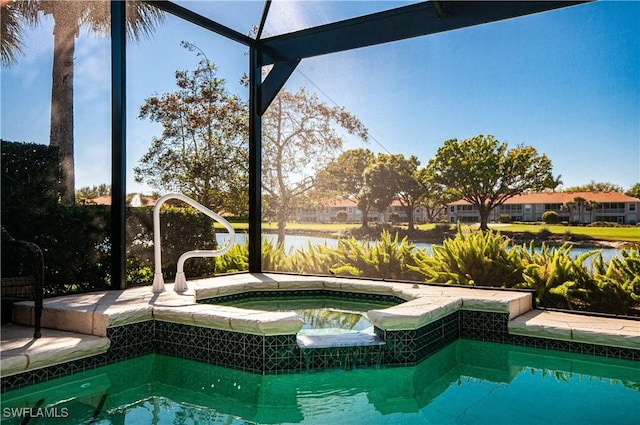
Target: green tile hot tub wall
306	293
267	354
280	353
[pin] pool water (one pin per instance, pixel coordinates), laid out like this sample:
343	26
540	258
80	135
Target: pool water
320	315
467	382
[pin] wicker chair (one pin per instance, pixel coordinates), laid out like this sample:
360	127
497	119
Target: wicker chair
22	276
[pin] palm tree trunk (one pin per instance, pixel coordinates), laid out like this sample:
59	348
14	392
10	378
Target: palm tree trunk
64	33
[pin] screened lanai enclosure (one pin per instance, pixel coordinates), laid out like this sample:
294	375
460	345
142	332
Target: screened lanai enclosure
272	113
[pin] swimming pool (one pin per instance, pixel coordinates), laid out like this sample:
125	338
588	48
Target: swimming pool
465	382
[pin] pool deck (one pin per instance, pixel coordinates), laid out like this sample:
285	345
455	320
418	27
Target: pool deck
75	326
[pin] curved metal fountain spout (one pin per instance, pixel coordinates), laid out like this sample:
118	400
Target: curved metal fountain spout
180	284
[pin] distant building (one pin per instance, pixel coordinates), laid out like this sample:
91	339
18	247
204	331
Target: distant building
611	207
327	213
135	201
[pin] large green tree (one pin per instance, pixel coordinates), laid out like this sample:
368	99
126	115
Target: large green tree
299	137
594	186
410	189
634	191
203	150
380	185
88	192
394	176
344	177
434	197
485	172
69	17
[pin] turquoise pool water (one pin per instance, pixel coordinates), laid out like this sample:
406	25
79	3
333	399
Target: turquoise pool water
320	315
468	382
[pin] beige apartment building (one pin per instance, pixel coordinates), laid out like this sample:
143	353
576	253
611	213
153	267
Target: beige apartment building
605	206
327	213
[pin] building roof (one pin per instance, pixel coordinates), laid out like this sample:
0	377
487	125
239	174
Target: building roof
340	203
351	203
562	198
100	200
106	200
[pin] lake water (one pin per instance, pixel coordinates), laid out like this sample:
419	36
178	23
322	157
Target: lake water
294	242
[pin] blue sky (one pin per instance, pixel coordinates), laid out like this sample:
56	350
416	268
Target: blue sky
566	82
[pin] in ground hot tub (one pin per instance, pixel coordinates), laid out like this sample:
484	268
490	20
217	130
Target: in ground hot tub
323	312
331	319
417	321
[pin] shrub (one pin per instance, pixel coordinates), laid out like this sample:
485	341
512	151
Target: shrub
394	218
75	245
274	258
603	224
341	216
478	258
527	235
139	272
73	239
30	179
439	231
559	280
504	218
234	260
182	228
617	284
485	259
389	257
550	217
544	233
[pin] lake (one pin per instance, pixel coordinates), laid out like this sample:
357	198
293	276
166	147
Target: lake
293	242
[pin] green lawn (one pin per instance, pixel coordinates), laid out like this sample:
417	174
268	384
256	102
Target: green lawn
631	234
236	226
332	227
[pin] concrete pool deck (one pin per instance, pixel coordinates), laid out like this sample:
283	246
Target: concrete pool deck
75	326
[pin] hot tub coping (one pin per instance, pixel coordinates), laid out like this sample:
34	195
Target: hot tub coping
423	303
94	313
